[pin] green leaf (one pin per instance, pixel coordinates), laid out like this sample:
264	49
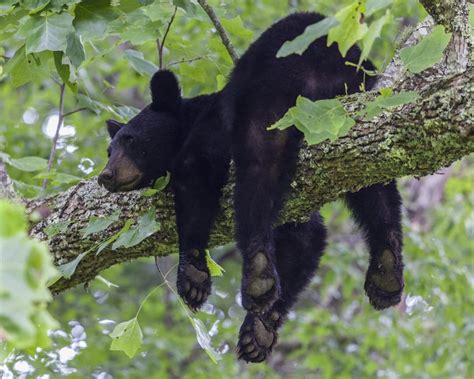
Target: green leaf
139	63
427	52
161	183
99	224
128	6
58	5
318	120
28	164
58	178
47	32
150	192
146	226
235	27
75	49
19	68
25	269
106	243
34	6
56	228
127	337
189	6
387	100
310	34
16	219
68	269
374	32
214	268
350	29
395	100
373	6
62	178
93	17
63	70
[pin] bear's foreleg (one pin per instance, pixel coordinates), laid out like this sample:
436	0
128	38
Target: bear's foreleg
197	186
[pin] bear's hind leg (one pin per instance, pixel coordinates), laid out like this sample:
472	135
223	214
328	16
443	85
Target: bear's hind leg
377	209
298	249
265	163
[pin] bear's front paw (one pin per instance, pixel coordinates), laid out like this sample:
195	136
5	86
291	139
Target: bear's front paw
260	284
194	279
257	337
384	281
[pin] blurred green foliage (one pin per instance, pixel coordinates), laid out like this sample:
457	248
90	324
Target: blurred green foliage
108	52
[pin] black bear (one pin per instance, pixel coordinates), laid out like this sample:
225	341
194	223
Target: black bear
196	138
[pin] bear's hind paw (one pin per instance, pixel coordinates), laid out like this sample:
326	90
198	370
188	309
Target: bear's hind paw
384	282
260	284
256	338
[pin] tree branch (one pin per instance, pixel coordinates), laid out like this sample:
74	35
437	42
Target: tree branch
416	140
220	29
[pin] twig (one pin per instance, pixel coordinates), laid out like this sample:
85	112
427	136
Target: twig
220	29
185	61
56	135
161	44
74	111
61	117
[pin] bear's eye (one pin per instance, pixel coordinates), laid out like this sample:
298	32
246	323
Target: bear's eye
144	153
108	152
128	139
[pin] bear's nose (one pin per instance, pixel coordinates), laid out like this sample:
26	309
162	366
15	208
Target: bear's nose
106	177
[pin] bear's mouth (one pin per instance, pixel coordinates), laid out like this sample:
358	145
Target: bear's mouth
129	185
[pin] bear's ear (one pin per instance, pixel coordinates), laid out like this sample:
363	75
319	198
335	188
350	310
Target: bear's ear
113	127
165	92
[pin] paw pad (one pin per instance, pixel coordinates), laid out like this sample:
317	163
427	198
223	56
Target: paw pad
260	286
384	281
194	281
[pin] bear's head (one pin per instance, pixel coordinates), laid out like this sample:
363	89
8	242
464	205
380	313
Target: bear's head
143	149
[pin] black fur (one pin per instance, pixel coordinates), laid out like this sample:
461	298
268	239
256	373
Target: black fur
195	140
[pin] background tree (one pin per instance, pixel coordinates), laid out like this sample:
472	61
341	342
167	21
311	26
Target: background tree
68	65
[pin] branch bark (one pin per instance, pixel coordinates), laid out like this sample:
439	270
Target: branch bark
416	139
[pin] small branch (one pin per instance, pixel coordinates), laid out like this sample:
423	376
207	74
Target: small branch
56	135
74	111
454	16
161	44
220	29
185	61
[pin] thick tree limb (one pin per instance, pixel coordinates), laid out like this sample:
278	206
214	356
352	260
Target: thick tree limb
416	140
